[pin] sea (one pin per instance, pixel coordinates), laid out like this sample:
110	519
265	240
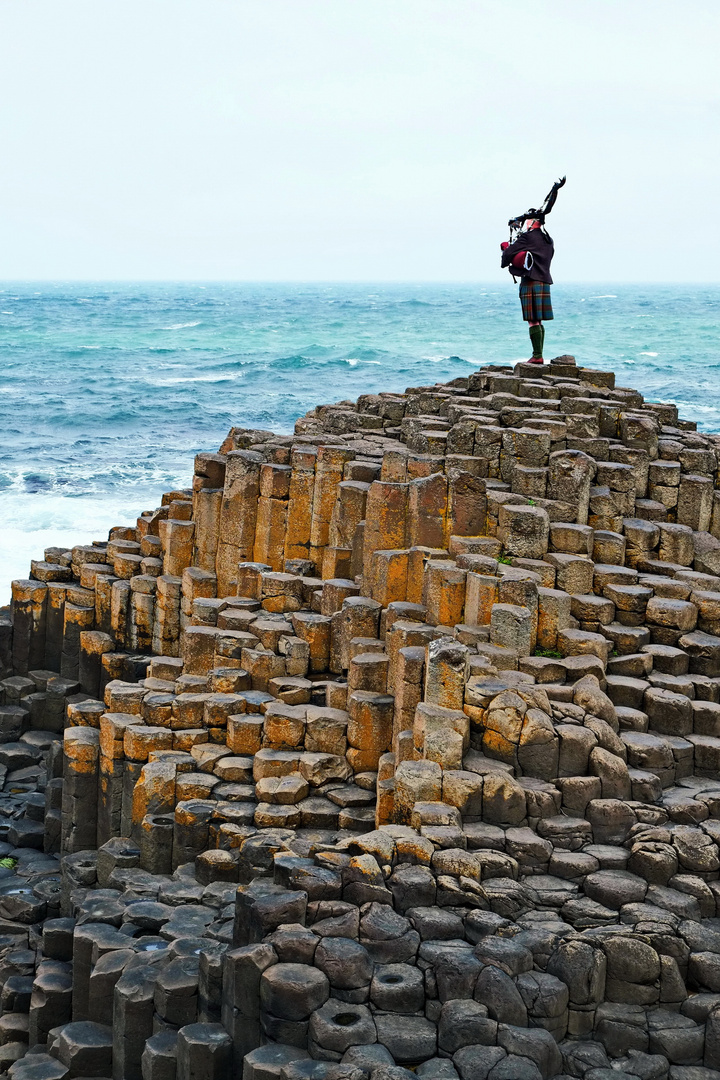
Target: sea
107	390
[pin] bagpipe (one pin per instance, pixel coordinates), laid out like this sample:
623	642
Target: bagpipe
516	224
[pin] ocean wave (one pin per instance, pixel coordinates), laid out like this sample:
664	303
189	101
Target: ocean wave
32	523
444	359
178	380
181	325
415	303
294	361
698	408
649	354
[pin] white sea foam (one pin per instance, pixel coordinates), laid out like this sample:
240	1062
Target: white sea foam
176	380
697	408
33	522
649	354
180	325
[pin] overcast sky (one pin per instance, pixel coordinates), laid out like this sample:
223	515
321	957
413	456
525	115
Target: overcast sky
356	139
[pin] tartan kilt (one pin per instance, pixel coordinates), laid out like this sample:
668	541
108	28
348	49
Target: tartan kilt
535	301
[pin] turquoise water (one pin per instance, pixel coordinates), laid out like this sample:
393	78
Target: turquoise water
108	390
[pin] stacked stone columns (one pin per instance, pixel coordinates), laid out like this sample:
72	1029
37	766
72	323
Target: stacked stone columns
29	613
166	627
111	772
195	584
93	646
394	742
80	789
347	515
271	525
385	529
328	477
208	483
300	502
238	516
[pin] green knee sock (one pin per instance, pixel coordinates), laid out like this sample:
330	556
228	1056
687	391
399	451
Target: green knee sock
542	339
536	336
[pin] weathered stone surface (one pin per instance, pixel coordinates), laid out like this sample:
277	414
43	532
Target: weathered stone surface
402	753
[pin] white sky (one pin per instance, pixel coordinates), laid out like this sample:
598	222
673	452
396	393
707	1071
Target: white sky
356	139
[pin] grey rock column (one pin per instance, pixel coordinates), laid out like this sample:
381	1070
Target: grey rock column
132	1021
51	1000
78	871
53	816
191	830
90	940
111	773
119	853
93	645
6	640
85	1048
76	620
58	690
204	1052
80	789
106	973
57	939
159	1058
103	602
54	622
176	994
242	971
210	982
29	614
156	843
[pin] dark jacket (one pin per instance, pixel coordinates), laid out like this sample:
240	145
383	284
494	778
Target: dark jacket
542	248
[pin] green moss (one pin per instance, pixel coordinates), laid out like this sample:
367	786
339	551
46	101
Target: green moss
551	654
505	559
8	862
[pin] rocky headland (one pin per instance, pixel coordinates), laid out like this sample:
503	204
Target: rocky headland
390	745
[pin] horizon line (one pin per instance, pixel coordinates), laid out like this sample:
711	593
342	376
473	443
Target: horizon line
331	282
